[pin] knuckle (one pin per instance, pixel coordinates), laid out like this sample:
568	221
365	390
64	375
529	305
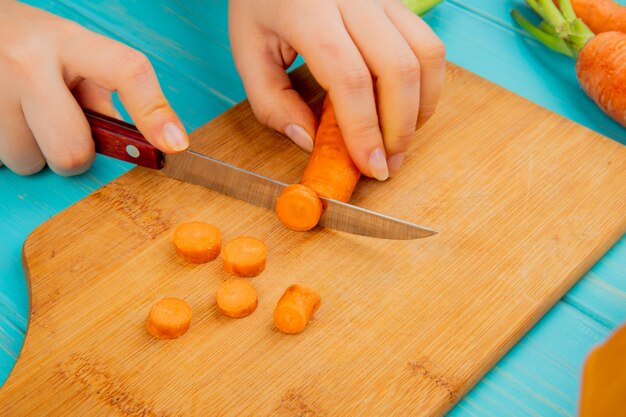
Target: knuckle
73	162
136	65
400	140
329	49
31	167
27	55
424	116
434	53
70	28
406	68
357	78
265	113
364	126
155	107
426	111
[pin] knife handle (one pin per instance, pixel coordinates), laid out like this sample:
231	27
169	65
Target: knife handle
121	140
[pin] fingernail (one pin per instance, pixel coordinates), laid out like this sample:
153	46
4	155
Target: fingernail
299	136
394	163
378	165
175	137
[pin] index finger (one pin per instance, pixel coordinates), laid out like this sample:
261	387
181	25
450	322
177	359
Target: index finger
335	62
117	67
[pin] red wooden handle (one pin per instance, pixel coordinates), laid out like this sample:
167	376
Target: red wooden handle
121	140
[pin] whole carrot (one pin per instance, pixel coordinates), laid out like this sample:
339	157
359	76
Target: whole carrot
330	173
600	59
601	15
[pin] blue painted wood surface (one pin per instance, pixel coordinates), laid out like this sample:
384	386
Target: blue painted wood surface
188	44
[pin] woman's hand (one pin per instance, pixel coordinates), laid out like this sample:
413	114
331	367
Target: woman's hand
382	65
49	68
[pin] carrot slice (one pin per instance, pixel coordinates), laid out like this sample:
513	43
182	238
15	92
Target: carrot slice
197	242
244	256
295	308
236	298
299	207
169	318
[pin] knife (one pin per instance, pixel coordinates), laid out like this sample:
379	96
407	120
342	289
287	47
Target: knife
123	141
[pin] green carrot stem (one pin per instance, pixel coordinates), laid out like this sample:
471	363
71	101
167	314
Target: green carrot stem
420	6
582	33
537	8
551	41
545	26
552	14
567	10
560	29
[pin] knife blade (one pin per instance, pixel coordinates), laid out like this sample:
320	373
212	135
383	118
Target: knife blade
123	141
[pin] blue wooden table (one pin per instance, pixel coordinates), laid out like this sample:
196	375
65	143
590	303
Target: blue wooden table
188	44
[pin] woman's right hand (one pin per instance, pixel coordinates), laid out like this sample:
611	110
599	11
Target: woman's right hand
49	68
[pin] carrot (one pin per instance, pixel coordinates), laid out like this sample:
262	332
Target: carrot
600	58
169	318
236	298
244	256
330	173
299	207
197	242
599	71
601	15
604	378
295	308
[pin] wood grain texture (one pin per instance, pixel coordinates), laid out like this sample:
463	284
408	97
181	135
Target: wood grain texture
525	202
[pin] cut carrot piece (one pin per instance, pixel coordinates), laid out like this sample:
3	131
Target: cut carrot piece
244	256
197	242
299	207
236	298
330	172
295	308
169	318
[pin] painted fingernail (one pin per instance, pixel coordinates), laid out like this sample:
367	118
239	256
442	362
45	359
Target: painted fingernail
299	136
378	165
394	163
175	137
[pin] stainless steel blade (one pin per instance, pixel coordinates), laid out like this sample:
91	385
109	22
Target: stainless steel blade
193	167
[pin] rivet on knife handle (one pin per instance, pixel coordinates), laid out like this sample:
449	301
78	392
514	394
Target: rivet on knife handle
121	140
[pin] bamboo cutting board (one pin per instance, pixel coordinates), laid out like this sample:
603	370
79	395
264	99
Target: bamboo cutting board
524	200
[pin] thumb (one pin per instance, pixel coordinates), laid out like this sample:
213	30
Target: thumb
273	100
116	67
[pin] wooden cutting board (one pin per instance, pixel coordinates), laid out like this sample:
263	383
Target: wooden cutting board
525	202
